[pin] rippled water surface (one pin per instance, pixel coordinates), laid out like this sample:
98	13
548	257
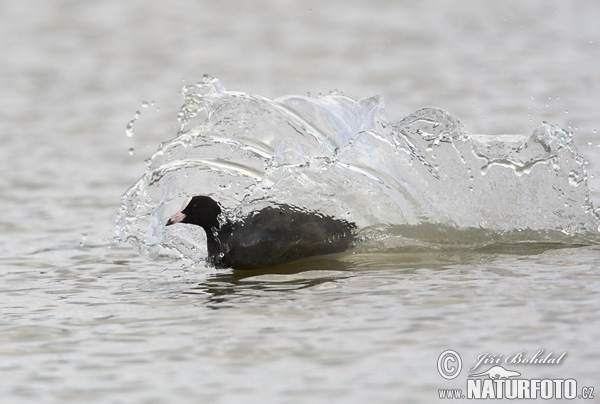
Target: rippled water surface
86	318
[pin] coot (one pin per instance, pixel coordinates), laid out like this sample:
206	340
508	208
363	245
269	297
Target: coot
272	236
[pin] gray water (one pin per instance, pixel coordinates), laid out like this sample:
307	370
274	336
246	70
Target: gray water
88	319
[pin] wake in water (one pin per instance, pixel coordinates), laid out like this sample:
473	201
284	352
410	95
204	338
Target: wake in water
422	181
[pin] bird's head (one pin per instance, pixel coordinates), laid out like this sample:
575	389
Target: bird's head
200	210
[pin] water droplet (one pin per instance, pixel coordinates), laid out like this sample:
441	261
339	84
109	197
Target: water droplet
83	239
131	151
566	111
129	128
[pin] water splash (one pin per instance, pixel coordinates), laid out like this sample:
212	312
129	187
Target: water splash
423	179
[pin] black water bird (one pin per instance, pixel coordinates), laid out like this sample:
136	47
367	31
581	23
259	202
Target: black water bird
272	236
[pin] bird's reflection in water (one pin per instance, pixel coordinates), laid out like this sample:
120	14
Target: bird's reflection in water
230	287
225	289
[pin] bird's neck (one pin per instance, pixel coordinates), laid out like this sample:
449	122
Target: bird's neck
212	242
214	248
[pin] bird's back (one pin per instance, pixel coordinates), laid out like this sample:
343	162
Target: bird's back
277	235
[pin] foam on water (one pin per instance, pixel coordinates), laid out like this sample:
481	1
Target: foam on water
422	180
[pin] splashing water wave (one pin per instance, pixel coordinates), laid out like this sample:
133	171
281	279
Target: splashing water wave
422	181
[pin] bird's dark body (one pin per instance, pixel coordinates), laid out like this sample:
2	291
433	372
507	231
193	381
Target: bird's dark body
271	236
278	235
